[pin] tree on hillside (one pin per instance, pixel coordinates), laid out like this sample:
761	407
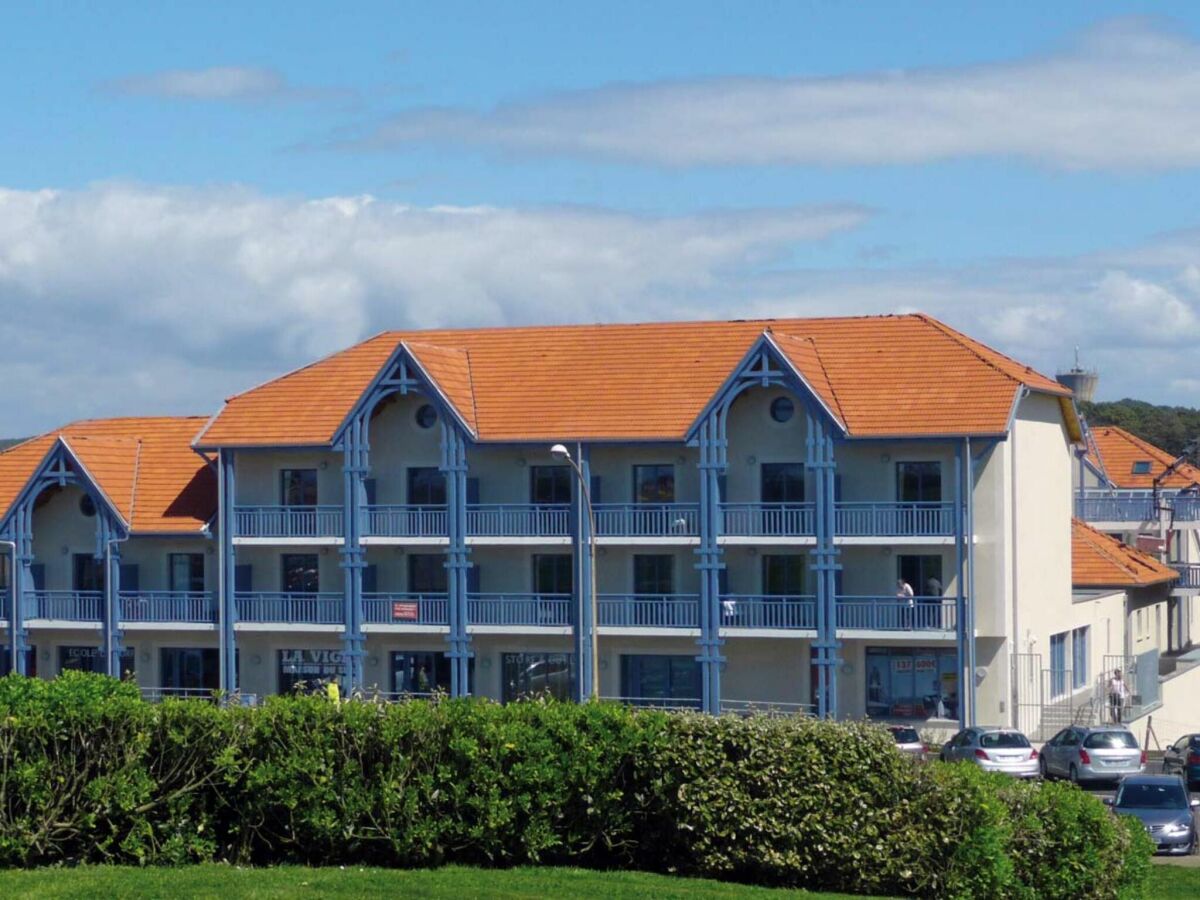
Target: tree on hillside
1169	427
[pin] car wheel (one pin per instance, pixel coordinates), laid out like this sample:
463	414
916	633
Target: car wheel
1073	774
1044	769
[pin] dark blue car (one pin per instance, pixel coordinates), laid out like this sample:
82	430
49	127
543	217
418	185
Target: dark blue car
1162	805
1183	759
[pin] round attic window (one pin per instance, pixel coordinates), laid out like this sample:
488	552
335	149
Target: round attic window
782	409
426	416
87	506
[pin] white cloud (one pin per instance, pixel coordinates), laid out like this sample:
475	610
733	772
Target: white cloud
219	83
135	298
1124	95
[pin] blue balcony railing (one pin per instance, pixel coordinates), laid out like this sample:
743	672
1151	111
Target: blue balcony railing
518	520
70	606
1189	575
168	606
766	519
763	611
894	519
1133	506
1187	508
290	608
890	614
287	521
647	519
405	609
406	521
649	610
519	609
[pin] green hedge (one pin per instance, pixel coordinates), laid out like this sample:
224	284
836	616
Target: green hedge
90	773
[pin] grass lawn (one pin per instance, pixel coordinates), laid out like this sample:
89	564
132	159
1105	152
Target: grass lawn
291	882
458	882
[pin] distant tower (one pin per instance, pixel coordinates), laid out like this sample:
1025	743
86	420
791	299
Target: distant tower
1082	381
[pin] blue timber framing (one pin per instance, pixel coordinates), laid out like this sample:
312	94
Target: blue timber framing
581	539
403	374
764	365
226	570
58	468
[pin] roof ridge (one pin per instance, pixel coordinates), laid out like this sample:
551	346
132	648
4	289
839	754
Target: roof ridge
471	384
137	465
841	412
315	362
969	344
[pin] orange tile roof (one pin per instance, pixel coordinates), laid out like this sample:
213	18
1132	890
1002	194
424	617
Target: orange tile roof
144	466
884	375
1114	450
1098	560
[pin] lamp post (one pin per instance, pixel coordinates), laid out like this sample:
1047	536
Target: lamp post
561	453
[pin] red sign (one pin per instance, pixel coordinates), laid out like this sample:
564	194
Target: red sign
406	612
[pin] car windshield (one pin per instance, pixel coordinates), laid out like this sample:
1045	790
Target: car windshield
1152	796
1003	739
906	736
1111	740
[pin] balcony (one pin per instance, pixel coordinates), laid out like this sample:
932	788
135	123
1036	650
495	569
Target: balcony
649	610
1187	509
405	609
890	614
1128	506
766	519
198	607
1189	575
894	520
406	522
67	606
534	610
290	608
287	521
762	611
647	520
518	520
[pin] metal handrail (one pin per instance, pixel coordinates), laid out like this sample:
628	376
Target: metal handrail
883	613
168	606
284	607
767	519
797	611
894	519
647	519
649	610
518	520
287	521
519	609
406	609
72	606
405	520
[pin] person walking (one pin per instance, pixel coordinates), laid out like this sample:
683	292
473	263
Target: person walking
1117	692
904	594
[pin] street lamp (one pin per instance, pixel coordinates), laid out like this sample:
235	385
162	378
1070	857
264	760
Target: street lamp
562	454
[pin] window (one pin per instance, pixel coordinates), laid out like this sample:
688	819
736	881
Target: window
6	660
550	485
426	416
423	672
426	486
783	576
4	563
301	573
653	484
552	573
426	573
309	670
1141	467
782	483
660	680
1111	740
1079	656
912	683
653	574
189	669
187	571
298	487
89	572
919	482
91	659
922	572
1058	664
782	409
87	505
534	674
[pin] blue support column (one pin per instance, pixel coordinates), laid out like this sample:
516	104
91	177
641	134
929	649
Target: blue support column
355	467
22	584
454	466
582	576
819	447
108	552
713	461
226	580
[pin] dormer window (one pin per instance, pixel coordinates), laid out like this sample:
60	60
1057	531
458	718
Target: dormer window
1141	467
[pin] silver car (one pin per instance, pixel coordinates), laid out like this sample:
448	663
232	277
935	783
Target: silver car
908	741
993	749
1101	753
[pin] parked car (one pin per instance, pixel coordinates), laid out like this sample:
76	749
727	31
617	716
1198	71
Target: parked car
1087	753
993	749
908	741
1161	803
1183	759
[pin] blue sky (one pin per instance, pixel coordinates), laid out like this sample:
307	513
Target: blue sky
212	194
